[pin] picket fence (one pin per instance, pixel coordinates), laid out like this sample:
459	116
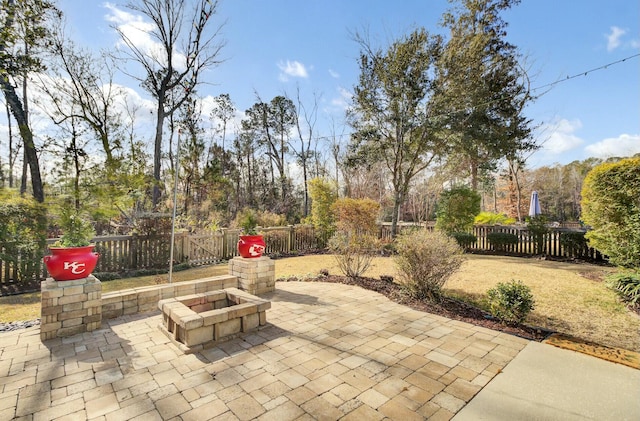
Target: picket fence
135	252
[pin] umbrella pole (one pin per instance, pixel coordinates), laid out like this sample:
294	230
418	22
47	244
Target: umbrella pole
175	205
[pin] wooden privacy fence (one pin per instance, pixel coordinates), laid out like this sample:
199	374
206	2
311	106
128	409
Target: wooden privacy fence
135	252
202	249
117	254
558	242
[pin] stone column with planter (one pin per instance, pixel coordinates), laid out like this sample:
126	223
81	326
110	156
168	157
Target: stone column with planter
70	307
255	275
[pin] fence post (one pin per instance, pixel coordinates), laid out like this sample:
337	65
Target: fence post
180	243
290	239
223	243
134	250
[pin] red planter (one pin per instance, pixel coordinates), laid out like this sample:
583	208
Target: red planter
251	246
70	263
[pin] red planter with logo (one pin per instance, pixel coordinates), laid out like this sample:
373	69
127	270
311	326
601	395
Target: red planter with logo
70	263
251	246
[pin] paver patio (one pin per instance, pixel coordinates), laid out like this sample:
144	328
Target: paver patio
329	351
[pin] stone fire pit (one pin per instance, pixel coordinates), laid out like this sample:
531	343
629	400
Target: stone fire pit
198	321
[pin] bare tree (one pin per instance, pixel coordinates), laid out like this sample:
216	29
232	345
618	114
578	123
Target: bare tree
24	22
186	48
83	88
271	123
305	135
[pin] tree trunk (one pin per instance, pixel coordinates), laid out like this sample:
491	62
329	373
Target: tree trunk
306	189
157	152
515	199
76	179
25	171
27	137
11	159
474	175
397	201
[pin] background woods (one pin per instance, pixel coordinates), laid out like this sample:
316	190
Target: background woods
430	110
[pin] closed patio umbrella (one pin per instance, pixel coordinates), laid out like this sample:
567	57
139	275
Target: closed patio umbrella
534	205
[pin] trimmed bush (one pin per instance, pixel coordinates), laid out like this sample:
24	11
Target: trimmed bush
464	239
425	260
510	302
611	207
627	284
500	240
456	209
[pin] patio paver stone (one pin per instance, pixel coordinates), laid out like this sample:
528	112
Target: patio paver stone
328	351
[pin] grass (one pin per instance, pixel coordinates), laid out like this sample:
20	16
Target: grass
568	299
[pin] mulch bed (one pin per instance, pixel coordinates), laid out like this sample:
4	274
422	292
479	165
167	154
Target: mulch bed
447	307
15	288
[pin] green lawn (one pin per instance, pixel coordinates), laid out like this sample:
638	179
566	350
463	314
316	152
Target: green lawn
570	298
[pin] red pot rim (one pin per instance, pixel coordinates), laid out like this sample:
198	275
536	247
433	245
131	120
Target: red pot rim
251	237
80	249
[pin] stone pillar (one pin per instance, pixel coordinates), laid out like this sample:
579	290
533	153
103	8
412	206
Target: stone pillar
255	275
70	307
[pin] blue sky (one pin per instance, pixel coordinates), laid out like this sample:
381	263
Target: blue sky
273	47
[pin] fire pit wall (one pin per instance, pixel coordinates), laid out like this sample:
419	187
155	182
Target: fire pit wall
198	321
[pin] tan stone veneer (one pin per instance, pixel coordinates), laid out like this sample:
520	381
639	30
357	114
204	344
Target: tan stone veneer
70	307
198	321
255	275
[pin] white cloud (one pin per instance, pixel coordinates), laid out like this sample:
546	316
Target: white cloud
342	101
621	146
215	124
562	137
334	74
292	69
613	38
138	32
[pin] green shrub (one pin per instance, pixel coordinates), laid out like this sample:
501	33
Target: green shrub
76	230
510	302
323	194
611	207
490	218
107	276
22	233
464	239
627	284
456	209
574	241
247	220
425	260
537	226
500	240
